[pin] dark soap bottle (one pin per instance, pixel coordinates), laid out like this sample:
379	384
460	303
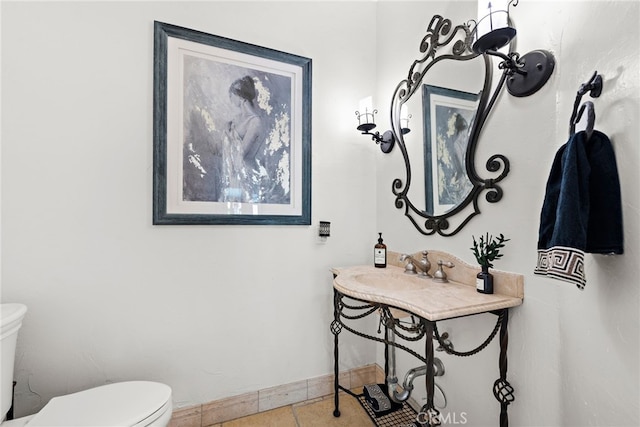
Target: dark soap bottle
484	281
380	253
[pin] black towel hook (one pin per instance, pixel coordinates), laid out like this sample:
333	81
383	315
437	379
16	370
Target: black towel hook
591	117
594	87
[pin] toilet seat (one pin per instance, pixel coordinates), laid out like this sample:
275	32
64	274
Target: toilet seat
131	404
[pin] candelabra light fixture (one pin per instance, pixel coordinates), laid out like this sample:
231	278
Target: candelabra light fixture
493	31
366	123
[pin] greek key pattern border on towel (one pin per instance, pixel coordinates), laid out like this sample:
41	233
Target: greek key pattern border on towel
562	263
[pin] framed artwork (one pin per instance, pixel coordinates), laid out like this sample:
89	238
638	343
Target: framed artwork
231	131
448	119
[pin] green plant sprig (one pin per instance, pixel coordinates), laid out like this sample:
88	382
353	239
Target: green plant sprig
487	249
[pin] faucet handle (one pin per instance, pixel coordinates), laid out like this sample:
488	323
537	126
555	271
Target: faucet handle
425	264
409	267
440	275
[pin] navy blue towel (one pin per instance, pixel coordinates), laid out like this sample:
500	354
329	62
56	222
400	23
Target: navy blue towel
582	210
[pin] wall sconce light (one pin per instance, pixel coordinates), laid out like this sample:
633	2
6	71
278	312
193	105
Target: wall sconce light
526	74
366	123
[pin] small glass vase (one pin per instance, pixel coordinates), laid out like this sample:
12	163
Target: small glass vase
484	281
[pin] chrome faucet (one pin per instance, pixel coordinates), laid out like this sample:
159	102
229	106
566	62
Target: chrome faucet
440	275
412	265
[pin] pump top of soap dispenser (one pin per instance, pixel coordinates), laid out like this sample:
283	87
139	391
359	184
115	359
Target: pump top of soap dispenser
380	238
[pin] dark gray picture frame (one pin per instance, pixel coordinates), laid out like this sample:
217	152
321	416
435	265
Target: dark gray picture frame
448	119
210	94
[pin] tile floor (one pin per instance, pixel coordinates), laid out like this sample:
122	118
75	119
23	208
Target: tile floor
299	404
314	413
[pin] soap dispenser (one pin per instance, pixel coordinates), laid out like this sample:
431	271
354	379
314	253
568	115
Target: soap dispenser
380	253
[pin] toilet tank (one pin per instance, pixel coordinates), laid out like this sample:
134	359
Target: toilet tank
11	316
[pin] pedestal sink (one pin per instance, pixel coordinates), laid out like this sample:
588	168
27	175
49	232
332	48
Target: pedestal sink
425	297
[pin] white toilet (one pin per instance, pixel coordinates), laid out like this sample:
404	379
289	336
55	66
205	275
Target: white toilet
125	404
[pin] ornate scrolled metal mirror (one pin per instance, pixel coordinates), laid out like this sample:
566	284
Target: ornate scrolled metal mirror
442	178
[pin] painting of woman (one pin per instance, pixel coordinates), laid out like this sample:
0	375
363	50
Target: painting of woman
237	134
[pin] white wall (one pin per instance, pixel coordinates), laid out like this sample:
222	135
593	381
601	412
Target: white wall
573	356
213	311
220	310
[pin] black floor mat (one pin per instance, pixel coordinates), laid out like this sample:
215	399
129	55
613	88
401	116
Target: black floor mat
404	417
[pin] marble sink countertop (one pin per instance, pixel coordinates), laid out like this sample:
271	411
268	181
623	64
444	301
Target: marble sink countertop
425	297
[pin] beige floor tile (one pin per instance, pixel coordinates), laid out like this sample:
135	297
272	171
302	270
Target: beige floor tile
363	376
320	414
323	386
281	417
344	379
316	411
187	417
286	394
228	409
319	387
380	377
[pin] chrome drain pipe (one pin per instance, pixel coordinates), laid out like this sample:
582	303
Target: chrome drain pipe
399	393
